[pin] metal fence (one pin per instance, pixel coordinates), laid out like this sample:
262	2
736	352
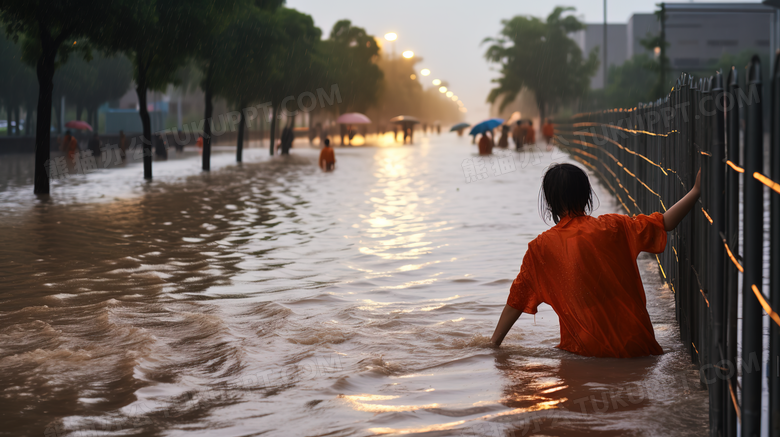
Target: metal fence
648	156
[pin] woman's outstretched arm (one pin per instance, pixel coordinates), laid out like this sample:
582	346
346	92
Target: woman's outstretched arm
508	318
674	215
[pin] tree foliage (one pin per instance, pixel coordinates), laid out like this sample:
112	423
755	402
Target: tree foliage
540	56
350	55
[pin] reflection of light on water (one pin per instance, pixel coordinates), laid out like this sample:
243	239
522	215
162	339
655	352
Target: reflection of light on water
358	403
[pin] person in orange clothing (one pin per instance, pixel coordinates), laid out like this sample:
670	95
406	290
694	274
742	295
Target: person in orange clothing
585	268
530	133
69	145
327	157
485	145
548	130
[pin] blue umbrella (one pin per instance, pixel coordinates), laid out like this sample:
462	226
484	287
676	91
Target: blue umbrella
459	126
487	125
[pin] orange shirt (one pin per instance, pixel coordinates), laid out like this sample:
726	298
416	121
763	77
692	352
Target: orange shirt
327	156
530	135
485	145
548	130
585	268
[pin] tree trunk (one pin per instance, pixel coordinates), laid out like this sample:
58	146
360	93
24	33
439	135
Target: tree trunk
9	119
144	112
273	129
207	124
79	110
44	69
261	124
95	119
240	141
17	115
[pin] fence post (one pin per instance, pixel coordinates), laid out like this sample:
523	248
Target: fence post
753	225
774	257
732	238
716	205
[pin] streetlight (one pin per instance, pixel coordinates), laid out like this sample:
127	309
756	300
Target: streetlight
413	76
425	71
443	89
408	54
392	36
454	98
436	82
450	94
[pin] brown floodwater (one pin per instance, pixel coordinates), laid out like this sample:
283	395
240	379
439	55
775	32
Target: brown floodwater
274	299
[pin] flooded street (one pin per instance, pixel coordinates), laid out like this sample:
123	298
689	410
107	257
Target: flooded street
274	299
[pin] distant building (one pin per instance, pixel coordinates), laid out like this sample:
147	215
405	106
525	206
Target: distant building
699	34
593	36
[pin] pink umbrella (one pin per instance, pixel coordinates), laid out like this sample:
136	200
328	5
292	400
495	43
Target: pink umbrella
78	124
353	118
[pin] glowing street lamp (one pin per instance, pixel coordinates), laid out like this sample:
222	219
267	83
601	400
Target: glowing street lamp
454	98
391	36
425	71
436	82
443	89
449	94
413	76
408	54
460	103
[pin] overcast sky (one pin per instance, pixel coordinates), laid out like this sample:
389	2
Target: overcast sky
448	34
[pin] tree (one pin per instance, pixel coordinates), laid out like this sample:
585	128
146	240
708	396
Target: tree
540	56
294	65
18	87
235	61
632	82
55	26
102	79
350	55
253	35
158	36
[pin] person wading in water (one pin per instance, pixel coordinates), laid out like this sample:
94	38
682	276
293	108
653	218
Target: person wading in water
585	268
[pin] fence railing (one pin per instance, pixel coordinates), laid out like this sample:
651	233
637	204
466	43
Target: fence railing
648	156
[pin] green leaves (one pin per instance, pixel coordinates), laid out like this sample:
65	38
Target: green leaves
540	56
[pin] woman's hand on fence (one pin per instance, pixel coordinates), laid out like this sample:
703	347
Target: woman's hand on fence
674	215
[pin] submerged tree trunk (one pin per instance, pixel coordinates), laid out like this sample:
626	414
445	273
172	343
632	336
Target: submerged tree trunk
240	140
17	115
144	112
207	124
273	129
44	69
28	118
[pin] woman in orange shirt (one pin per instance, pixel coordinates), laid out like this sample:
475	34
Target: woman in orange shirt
585	268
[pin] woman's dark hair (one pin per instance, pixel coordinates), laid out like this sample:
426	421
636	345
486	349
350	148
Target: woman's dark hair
565	191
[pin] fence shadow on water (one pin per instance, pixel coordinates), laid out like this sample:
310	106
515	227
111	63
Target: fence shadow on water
648	156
